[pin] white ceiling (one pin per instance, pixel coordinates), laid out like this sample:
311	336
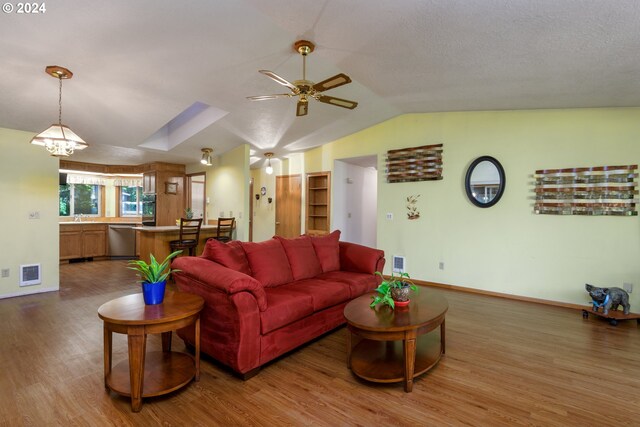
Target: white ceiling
138	64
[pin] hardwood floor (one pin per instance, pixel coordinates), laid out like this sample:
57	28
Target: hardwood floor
508	363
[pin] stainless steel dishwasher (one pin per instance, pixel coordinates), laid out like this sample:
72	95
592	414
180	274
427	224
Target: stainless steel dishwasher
122	241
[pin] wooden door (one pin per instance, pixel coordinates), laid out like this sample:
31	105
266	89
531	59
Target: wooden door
288	205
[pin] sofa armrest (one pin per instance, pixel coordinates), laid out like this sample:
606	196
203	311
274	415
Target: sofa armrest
360	259
220	278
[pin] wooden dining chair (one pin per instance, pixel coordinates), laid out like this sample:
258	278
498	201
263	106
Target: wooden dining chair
189	236
225	229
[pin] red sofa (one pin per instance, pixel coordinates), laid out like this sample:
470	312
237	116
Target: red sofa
265	299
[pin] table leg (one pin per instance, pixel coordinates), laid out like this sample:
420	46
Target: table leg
409	362
137	340
349	344
108	341
442	340
197	338
166	341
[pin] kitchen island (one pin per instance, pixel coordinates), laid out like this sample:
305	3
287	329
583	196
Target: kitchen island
155	240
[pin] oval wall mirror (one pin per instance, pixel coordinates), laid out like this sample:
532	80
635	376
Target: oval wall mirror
485	181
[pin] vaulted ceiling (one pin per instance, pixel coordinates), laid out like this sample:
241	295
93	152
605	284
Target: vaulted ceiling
139	64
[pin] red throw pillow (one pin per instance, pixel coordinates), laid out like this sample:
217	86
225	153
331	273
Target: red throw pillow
268	262
302	257
328	250
231	255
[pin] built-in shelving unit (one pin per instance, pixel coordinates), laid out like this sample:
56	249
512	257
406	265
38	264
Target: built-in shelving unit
602	190
318	206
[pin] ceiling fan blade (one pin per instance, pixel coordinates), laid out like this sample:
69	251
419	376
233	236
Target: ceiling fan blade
302	109
344	103
331	82
267	97
278	79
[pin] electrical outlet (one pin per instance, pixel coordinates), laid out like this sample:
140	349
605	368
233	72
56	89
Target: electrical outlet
4	272
389	216
441	265
628	287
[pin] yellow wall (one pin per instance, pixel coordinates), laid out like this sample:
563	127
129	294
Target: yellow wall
505	248
28	183
227	187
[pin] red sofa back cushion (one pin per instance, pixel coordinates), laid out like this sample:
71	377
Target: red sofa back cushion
231	255
328	250
268	262
302	257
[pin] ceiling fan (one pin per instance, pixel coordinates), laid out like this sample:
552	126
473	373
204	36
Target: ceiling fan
305	89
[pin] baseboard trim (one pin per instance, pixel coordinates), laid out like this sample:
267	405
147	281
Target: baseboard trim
499	295
21	294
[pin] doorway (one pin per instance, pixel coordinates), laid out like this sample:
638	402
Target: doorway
355	199
288	205
196	194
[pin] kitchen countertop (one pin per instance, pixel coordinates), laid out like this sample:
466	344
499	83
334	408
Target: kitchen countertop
97	223
169	228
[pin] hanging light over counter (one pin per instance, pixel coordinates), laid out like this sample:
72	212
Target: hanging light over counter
269	168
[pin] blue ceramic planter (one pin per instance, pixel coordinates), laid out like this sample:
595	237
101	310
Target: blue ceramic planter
153	293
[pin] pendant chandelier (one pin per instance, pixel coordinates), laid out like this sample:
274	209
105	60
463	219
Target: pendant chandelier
58	139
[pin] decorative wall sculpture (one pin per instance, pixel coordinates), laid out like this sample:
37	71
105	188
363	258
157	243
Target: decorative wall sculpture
415	164
412	207
602	190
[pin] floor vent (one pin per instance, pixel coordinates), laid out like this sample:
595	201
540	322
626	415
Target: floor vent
399	264
30	275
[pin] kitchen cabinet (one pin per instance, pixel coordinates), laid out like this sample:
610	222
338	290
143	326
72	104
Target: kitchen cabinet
149	183
83	241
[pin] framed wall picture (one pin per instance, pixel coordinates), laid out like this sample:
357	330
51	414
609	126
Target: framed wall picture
171	188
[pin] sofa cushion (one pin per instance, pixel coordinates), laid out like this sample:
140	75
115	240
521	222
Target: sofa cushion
328	250
268	262
302	257
359	283
324	293
231	255
285	305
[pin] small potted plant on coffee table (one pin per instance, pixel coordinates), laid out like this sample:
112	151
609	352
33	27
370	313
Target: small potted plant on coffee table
153	277
394	291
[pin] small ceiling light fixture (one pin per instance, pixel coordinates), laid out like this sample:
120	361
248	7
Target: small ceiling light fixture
206	156
269	168
58	139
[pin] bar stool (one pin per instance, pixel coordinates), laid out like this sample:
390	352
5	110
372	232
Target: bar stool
225	229
189	236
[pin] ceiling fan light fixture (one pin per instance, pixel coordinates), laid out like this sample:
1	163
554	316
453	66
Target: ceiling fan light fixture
206	156
305	89
58	139
269	168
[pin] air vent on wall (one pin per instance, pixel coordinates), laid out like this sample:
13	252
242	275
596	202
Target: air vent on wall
30	275
398	264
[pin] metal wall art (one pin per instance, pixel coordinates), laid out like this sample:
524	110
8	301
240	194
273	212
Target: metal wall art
602	190
415	164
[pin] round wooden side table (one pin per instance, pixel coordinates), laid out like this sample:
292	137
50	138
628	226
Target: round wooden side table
153	373
396	345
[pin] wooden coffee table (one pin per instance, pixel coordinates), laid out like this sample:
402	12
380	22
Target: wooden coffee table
153	373
396	345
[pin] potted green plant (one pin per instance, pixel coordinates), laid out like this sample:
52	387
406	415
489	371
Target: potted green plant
153	277
188	213
393	291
